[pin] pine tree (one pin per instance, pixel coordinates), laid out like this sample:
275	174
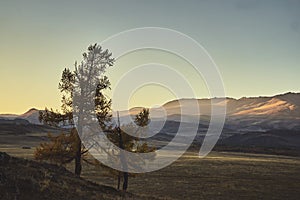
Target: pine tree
86	85
130	143
65	148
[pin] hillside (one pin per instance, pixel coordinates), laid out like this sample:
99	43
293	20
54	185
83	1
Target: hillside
275	142
25	179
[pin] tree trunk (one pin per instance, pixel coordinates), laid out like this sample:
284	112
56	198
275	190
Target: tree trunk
123	158
78	160
125	181
119	180
78	153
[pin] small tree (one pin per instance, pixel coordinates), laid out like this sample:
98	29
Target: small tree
61	149
65	148
130	143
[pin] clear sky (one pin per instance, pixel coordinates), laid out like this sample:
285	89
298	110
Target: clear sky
256	44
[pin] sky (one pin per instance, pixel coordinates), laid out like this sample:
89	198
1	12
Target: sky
255	44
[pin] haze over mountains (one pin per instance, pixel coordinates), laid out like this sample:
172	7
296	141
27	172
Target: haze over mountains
255	121
253	113
245	114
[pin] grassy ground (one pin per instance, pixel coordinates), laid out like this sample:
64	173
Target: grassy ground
218	176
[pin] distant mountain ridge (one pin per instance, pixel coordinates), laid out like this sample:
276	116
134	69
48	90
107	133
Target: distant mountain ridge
250	121
244	114
32	116
288	103
249	113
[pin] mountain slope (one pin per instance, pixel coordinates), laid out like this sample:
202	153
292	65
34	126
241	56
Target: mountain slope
25	179
281	105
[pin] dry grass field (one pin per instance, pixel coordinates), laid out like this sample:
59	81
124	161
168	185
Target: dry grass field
219	176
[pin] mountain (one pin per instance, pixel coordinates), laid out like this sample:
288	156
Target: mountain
266	113
250	121
32	116
244	114
281	105
287	105
266	122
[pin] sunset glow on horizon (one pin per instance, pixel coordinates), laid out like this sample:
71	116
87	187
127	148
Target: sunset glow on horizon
255	44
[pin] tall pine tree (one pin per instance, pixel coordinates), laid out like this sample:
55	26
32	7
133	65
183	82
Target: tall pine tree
68	147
